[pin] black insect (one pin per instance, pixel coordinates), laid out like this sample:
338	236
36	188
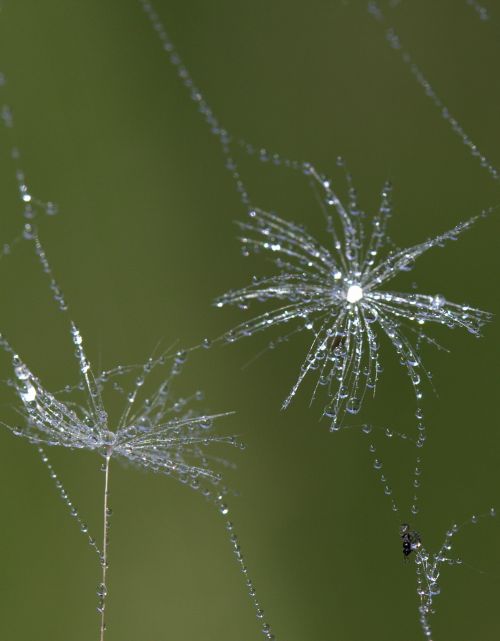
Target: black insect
337	341
410	538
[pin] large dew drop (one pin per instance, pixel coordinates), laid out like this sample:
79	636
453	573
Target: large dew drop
354	294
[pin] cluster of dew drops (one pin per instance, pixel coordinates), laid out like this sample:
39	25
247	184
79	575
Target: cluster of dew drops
428	569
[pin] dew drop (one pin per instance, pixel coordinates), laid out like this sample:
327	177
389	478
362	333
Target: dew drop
438	301
21	372
354	294
28	395
353	405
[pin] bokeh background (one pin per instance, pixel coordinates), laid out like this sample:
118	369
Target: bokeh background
143	243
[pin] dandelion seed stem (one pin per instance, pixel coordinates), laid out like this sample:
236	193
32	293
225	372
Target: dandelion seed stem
104	559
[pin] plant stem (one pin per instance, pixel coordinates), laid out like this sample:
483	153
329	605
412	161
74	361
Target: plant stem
104	558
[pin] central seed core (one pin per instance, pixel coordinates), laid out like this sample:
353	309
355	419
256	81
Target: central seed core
354	294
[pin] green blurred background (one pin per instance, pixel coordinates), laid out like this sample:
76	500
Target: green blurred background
145	240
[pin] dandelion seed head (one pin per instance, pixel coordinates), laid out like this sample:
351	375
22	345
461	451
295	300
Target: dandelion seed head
338	292
157	432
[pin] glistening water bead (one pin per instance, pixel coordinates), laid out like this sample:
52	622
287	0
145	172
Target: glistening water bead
354	294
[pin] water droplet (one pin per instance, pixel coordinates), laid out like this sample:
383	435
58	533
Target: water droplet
353	405
438	301
51	209
77	339
22	372
108	438
28	395
354	294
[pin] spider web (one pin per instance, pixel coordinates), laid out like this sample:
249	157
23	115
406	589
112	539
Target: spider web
427	564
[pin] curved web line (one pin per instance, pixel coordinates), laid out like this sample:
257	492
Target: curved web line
394	42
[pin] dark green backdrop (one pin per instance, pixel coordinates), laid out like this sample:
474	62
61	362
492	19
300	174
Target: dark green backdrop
144	242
